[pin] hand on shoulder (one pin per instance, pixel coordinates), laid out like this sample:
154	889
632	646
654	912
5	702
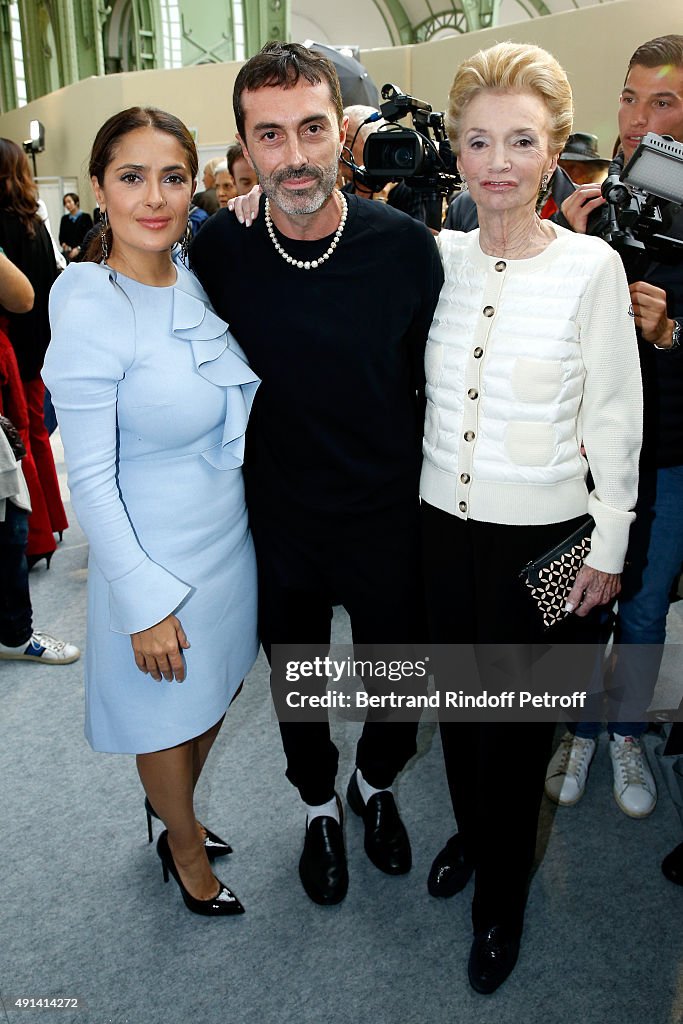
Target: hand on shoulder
246	208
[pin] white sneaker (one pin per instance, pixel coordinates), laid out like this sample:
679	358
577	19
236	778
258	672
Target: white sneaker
565	780
634	786
43	648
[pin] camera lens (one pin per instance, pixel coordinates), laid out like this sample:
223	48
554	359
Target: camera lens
403	157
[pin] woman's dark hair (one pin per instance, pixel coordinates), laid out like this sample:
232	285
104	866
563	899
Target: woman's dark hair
110	135
283	64
71	195
18	191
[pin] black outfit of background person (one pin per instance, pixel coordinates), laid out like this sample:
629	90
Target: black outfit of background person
30	332
662	371
662	449
73	231
333	444
401	197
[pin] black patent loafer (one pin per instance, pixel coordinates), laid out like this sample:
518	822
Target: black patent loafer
450	871
386	840
492	958
322	867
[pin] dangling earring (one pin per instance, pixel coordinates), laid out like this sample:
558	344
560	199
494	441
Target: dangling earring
185	242
104	221
544	182
463	184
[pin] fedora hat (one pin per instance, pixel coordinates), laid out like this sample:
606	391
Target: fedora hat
582	146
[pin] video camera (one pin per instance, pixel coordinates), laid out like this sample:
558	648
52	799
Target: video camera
420	156
642	199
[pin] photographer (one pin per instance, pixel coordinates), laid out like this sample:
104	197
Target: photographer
651	100
395	193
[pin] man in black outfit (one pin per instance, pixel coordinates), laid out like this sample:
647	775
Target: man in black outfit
333	446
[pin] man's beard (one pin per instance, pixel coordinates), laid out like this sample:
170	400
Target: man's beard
308	200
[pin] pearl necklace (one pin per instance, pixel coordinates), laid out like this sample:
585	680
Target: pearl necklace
308	264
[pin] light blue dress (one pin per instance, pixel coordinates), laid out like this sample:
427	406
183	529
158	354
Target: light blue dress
153	395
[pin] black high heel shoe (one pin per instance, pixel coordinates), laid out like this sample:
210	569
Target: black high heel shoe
213	844
223	904
34	559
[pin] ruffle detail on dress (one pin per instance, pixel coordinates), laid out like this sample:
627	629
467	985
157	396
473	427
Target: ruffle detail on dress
220	360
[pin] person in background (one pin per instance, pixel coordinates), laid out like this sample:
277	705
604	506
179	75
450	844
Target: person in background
207	200
651	100
242	173
581	161
153	396
532	352
27	244
73	227
225	185
395	193
19	641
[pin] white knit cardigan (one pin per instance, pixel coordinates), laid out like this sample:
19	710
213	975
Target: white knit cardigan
526	360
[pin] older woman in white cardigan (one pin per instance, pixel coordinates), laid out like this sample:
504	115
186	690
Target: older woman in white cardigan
532	355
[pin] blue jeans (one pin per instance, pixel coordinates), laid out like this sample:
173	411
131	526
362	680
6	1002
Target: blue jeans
653	561
15	601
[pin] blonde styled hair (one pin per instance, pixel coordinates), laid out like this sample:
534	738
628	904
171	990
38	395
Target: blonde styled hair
513	67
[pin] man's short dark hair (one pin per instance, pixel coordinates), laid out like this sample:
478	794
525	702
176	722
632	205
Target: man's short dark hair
283	64
233	154
658	53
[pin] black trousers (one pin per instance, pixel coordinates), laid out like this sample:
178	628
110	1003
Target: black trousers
370	564
16	614
495	770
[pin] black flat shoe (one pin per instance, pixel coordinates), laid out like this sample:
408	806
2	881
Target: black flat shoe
450	871
386	840
223	904
213	844
322	867
672	865
492	958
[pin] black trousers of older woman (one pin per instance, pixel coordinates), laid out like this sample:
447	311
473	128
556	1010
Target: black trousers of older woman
495	770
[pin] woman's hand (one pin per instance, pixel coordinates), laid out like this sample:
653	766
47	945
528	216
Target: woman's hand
158	649
245	207
591	588
580	204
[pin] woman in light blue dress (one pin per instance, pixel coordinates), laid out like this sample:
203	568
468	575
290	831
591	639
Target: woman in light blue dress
153	396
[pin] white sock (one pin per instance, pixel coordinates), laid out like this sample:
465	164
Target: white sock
329	810
365	789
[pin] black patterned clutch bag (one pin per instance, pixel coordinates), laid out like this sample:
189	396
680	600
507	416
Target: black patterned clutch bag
551	577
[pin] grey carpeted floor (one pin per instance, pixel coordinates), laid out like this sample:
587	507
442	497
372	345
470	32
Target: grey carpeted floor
85	914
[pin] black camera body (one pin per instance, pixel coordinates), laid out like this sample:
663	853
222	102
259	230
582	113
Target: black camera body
420	156
636	221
